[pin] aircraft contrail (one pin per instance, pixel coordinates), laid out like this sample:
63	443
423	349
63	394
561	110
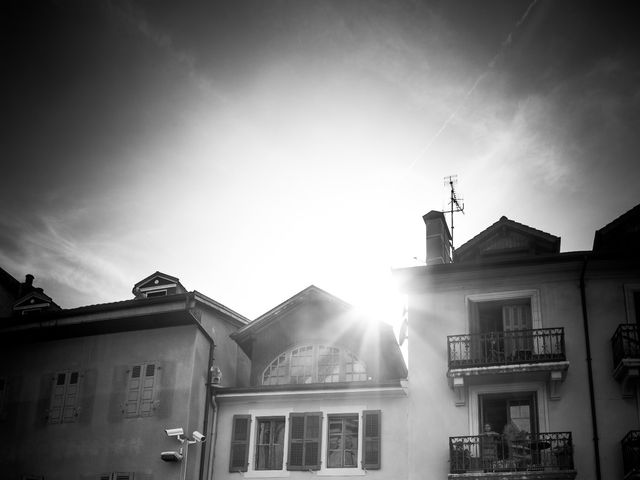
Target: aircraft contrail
490	66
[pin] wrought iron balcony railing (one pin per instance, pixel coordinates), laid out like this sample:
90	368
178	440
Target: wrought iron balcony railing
625	343
498	453
506	348
631	454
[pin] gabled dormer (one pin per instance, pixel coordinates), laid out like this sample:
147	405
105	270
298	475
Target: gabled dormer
158	285
506	239
316	338
34	301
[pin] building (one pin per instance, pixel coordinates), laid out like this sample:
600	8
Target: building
87	393
327	395
510	353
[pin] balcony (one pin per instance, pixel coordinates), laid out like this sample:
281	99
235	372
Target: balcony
506	348
631	455
625	345
535	456
538	351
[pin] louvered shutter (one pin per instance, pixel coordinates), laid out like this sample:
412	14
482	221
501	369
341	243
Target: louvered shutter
371	443
239	455
312	441
305	434
146	395
71	397
296	441
134	386
57	397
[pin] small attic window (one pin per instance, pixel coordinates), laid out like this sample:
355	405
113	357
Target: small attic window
157	293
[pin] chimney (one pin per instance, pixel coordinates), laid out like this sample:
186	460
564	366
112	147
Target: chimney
28	280
438	238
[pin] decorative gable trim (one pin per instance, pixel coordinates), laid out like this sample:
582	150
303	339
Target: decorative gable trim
507	238
34	301
158	284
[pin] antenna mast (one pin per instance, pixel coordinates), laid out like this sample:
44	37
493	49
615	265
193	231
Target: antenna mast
455	203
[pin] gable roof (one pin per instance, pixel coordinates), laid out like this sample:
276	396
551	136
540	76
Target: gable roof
507	238
313	315
308	295
36	299
622	234
157	281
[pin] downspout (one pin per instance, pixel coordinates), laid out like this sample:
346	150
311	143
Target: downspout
207	408
585	319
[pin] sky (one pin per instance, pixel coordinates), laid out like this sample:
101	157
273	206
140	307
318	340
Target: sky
253	148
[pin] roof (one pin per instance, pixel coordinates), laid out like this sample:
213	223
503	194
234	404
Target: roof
308	294
508	237
313	315
622	234
126	315
9	282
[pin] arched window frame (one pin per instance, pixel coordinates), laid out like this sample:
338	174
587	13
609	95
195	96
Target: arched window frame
314	363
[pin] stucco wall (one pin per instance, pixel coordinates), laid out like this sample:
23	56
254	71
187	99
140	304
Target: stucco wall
440	310
394	444
102	440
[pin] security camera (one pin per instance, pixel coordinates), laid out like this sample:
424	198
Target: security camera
172	456
174	432
198	437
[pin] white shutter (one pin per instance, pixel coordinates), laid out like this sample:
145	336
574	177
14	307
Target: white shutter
148	384
132	403
57	397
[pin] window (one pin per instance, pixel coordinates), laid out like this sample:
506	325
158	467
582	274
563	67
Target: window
297	442
117	476
314	364
502	409
342	451
157	293
63	407
269	444
140	390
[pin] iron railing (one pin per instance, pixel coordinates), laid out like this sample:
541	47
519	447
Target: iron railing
625	343
631	454
506	348
498	453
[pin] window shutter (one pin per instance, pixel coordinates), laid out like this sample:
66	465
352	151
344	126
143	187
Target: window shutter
71	397
57	397
312	441
305	434
146	397
131	406
239	456
296	441
371	439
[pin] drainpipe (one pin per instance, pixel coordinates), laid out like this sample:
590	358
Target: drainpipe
207	408
585	319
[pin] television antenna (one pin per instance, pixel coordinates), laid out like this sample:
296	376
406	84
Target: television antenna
455	204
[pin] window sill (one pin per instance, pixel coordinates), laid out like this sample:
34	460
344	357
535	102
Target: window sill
267	474
341	472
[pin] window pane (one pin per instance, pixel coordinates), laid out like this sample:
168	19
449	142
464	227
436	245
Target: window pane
269	444
342	449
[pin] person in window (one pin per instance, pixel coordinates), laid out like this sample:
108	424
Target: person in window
489	446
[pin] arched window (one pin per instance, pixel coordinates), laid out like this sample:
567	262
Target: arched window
314	364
